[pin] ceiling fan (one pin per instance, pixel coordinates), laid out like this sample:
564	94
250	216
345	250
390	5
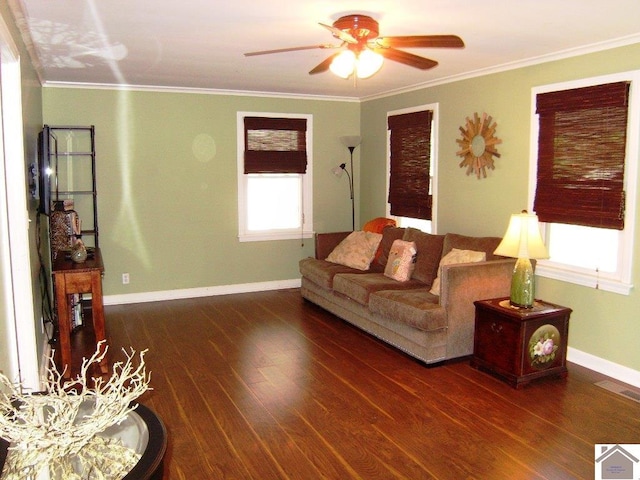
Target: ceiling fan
359	39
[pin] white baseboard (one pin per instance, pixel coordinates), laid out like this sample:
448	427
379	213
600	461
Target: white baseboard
600	365
199	292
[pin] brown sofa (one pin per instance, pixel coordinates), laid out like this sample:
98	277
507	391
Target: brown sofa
429	327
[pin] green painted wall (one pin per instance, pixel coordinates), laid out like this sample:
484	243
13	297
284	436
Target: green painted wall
170	220
603	324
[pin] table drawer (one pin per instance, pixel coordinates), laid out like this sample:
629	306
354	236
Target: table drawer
78	283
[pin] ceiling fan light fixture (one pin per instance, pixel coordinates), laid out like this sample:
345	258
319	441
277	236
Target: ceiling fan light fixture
365	63
364	48
343	64
368	63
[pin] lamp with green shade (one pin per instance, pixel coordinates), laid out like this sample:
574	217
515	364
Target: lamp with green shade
524	242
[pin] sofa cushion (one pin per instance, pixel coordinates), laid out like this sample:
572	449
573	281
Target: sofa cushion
417	308
478	244
378	225
429	254
456	256
322	272
357	250
389	235
358	286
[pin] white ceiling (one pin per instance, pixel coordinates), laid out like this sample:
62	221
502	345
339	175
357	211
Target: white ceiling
199	44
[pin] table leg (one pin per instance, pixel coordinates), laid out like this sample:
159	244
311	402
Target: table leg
97	313
64	327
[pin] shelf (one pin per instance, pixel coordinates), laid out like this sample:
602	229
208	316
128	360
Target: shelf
75	154
77	192
72	155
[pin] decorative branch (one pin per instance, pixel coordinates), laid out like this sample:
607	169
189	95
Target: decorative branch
52	429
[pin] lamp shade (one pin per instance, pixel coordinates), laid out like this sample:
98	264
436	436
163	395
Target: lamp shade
522	239
338	170
368	63
365	63
350	141
343	64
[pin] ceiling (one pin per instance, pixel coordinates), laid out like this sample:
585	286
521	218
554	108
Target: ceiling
200	44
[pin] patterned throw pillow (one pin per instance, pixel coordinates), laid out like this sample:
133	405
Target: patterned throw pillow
402	260
357	250
453	257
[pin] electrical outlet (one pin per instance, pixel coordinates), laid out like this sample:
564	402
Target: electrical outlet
125	279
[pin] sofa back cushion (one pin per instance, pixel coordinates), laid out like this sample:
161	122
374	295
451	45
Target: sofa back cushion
478	244
377	225
429	249
389	234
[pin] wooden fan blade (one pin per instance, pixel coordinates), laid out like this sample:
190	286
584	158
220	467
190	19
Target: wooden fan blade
407	58
290	49
420	41
324	66
341	34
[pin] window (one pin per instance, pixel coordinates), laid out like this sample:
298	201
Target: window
411	166
274	176
583	169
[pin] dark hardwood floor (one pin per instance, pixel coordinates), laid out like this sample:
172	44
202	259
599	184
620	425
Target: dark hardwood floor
268	386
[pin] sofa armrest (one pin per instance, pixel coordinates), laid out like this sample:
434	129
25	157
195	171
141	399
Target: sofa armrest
460	286
326	242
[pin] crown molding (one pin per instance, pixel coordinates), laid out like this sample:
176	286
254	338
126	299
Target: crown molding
552	57
561	55
198	91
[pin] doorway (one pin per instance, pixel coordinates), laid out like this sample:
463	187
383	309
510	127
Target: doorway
19	359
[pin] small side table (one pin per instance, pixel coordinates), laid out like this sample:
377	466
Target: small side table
520	344
70	278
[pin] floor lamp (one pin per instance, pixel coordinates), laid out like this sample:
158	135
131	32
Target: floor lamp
351	142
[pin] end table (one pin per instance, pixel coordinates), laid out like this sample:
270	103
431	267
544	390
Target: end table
520	344
70	278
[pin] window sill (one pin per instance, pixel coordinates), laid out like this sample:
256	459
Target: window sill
266	236
585	279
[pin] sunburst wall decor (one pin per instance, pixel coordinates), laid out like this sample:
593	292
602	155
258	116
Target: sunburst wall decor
478	145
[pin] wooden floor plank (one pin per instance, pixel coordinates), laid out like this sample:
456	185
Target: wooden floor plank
268	386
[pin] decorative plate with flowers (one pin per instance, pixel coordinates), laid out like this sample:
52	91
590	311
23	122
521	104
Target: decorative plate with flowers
543	346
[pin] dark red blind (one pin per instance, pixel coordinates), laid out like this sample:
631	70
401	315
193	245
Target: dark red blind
410	156
275	145
581	156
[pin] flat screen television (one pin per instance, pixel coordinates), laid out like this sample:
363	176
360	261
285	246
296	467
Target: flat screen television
44	172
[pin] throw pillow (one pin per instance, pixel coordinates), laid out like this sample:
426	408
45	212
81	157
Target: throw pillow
429	254
453	257
357	250
377	225
401	263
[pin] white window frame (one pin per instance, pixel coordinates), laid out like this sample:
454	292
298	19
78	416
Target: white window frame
306	230
619	281
434	107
